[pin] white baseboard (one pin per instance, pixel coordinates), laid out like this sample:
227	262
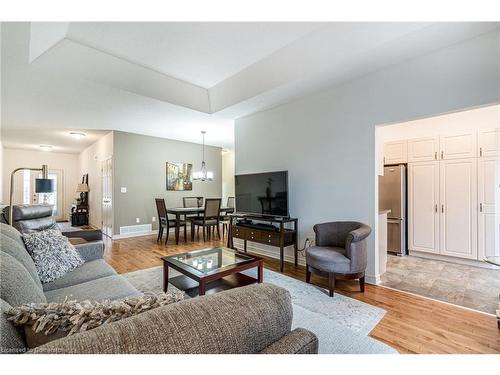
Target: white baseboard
444	258
140	234
374	280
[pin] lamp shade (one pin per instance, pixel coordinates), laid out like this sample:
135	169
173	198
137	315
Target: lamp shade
44	185
82	188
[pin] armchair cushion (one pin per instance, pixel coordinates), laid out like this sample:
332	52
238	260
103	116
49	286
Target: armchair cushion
328	259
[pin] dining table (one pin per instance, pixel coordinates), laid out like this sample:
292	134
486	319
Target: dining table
179	212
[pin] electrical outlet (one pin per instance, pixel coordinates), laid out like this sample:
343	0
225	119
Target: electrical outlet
137	220
153	219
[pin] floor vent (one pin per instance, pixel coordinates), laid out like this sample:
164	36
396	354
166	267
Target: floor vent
136	229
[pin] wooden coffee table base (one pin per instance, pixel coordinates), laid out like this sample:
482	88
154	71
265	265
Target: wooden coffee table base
192	287
224	279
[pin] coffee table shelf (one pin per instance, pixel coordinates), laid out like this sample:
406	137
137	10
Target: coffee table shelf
211	270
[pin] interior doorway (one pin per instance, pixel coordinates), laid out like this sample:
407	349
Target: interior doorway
107	197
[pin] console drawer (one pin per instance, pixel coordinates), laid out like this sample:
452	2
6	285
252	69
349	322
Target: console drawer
239	232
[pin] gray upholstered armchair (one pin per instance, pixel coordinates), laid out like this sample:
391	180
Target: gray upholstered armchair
340	252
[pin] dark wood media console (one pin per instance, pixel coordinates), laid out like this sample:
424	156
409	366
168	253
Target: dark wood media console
282	237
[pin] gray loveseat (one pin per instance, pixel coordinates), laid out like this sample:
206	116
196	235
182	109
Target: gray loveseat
253	319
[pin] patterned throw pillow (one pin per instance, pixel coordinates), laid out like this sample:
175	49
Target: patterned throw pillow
44	322
53	254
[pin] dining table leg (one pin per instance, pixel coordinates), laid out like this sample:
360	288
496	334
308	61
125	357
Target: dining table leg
177	226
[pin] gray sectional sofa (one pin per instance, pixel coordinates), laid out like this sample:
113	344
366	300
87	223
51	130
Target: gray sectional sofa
244	320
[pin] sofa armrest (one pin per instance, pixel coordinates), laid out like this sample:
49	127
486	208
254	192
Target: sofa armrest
91	250
240	320
299	341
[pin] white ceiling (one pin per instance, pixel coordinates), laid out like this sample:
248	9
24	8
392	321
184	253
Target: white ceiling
60	139
201	53
175	79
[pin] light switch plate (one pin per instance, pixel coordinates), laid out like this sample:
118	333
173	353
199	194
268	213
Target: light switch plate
123	189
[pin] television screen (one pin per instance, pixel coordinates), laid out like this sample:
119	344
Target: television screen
262	193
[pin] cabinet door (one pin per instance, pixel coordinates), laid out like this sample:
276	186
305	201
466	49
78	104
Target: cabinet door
489	207
395	152
458	210
423	199
489	142
423	149
458	146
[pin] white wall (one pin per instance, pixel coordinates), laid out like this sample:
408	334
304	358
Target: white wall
327	140
227	176
15	158
89	162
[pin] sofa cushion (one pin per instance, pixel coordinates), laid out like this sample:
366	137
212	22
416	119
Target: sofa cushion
54	256
328	259
11	232
11	337
110	287
18	251
88	271
16	285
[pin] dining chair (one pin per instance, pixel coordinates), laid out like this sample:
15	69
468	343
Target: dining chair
224	219
165	222
209	220
189	202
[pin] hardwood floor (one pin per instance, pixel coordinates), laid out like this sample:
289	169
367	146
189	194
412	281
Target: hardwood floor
412	324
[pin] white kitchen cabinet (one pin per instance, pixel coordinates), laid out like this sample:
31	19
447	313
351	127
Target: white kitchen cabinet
458	208
489	142
458	146
489	207
395	152
423	149
423	215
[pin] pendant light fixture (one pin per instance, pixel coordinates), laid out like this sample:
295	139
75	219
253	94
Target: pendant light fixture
203	174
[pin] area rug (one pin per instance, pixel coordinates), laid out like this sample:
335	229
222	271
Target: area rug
341	323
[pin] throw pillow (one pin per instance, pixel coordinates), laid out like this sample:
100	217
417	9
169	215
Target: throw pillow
52	253
44	322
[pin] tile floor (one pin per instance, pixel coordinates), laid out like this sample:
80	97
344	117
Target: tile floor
469	286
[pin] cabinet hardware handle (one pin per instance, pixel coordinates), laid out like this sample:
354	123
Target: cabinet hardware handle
442	208
435	155
442	154
480	207
436	207
480	151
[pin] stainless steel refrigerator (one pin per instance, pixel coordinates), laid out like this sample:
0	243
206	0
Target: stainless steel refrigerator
392	196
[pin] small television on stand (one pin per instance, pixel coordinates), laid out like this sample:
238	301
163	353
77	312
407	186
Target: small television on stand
262	194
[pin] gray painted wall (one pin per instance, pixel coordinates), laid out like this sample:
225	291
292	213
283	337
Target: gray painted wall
327	140
139	165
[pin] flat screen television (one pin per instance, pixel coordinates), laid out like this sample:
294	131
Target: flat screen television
262	193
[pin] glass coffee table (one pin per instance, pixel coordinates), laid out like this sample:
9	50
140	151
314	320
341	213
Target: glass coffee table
211	270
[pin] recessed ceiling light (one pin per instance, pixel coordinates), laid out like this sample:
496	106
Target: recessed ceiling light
46	147
78	135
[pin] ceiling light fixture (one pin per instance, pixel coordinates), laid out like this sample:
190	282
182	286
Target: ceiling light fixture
203	174
78	135
46	147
